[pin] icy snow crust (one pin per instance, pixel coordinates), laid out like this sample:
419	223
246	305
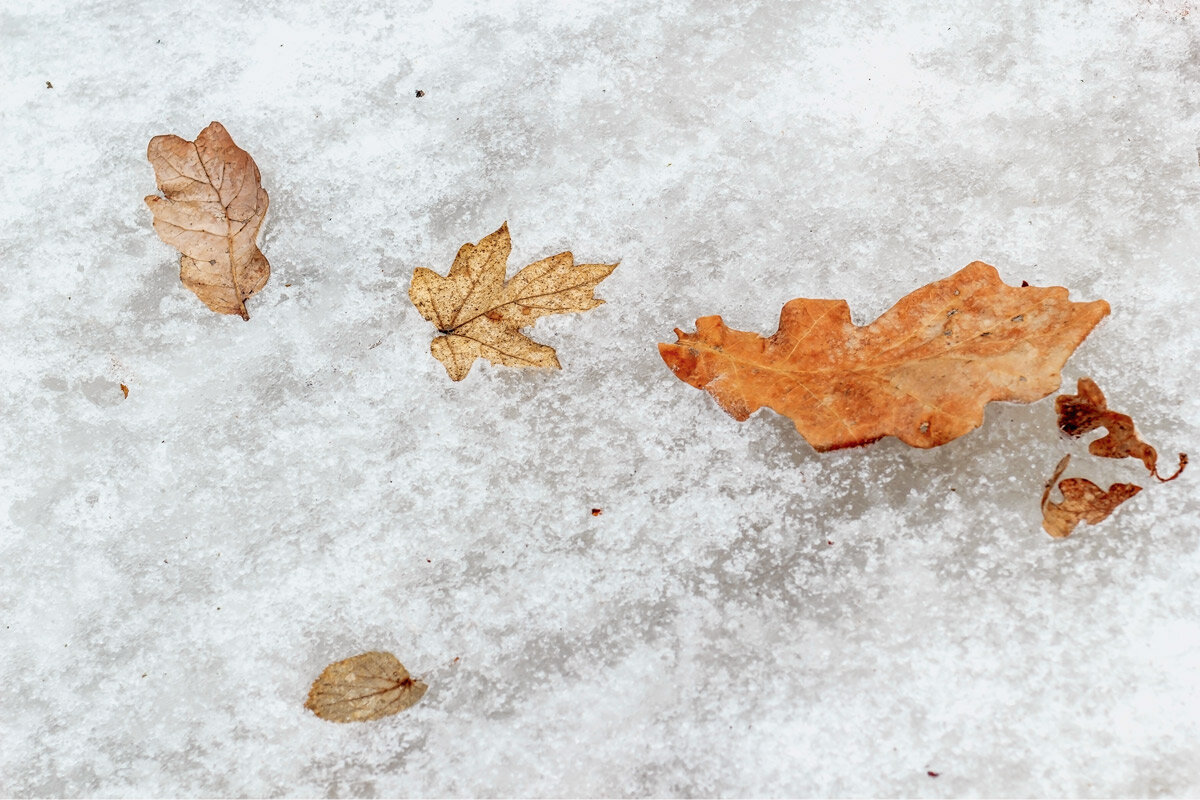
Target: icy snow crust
746	617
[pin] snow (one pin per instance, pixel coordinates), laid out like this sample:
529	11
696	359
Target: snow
746	616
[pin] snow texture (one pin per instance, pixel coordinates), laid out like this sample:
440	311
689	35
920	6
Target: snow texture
745	616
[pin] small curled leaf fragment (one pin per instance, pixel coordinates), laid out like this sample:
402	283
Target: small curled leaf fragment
365	687
125	390
1088	410
1083	501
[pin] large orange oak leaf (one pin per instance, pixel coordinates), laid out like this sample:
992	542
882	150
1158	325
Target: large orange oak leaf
212	206
922	372
479	315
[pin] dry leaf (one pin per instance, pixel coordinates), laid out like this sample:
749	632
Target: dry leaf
125	390
1085	412
211	212
365	687
922	372
479	315
1083	501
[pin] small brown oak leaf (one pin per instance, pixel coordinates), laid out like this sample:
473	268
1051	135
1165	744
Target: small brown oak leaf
1083	501
479	315
212	206
1085	412
922	372
365	687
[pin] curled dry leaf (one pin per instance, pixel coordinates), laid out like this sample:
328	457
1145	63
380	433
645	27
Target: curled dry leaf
1083	501
1085	412
365	687
478	314
212	208
922	372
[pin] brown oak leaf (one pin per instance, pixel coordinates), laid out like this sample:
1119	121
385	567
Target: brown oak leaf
212	208
922	372
1083	501
365	687
1085	412
479	315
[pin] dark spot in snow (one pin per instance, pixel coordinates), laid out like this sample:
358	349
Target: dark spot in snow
420	93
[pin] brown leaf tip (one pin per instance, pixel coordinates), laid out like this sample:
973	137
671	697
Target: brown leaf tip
364	687
124	390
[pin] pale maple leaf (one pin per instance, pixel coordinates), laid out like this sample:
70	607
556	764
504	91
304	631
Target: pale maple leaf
479	315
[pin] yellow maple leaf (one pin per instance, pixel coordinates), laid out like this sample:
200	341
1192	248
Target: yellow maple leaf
479	315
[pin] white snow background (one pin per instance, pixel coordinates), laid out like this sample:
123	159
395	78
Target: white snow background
746	617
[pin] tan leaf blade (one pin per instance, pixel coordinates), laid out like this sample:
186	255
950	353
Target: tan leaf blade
479	315
212	207
1083	501
1085	412
365	687
922	372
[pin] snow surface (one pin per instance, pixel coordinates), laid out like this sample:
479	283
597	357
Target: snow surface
746	617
